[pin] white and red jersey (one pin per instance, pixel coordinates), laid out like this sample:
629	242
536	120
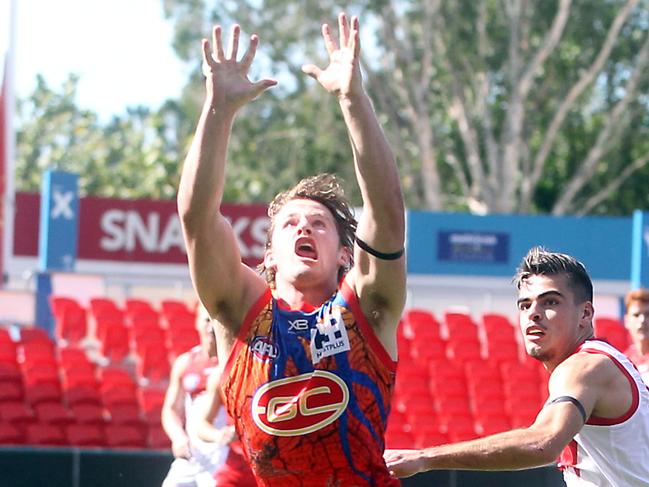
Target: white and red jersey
194	380
612	451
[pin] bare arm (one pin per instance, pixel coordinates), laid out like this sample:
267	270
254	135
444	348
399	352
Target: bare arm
173	410
535	446
206	429
379	283
212	248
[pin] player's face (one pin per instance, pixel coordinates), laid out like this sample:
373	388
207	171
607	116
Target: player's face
636	321
551	322
305	246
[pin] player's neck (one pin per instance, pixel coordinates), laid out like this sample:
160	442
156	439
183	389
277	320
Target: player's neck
302	297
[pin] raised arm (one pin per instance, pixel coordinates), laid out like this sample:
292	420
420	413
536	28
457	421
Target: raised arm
223	284
379	282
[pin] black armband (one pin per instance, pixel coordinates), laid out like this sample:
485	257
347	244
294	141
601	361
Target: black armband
377	254
572	400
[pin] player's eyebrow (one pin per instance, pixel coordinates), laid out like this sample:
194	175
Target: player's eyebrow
551	292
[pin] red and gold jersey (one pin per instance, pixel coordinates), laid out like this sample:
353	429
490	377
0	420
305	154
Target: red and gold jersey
310	394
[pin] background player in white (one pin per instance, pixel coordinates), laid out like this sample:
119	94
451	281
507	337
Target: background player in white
196	461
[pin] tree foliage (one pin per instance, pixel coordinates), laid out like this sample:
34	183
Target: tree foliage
490	106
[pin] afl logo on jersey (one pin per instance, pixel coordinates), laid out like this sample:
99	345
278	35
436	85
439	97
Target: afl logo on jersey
300	405
263	348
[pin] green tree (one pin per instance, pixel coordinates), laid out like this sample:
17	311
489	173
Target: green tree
133	156
491	105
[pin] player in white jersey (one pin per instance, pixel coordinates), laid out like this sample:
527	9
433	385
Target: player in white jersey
195	461
597	414
605	451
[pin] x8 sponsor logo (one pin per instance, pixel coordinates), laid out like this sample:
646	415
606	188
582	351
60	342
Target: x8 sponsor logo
300	405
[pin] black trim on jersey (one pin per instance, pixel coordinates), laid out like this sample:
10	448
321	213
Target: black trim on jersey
572	400
377	254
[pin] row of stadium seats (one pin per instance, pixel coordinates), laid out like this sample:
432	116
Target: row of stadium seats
56	395
458	378
136	331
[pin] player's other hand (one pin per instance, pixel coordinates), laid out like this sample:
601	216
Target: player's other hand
403	463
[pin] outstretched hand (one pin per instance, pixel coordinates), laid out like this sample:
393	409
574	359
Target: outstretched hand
343	75
403	463
227	80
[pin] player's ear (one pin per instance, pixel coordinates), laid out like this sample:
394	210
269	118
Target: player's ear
587	314
269	259
345	257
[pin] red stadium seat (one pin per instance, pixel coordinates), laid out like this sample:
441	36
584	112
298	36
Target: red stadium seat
181	341
171	307
463	351
86	413
114	342
489	424
16	412
137	305
613	331
75	359
461	327
124	413
33	334
157	437
11	390
90	435
151	401
70	322
428	435
8	352
53	413
45	434
80	387
124	436
420	324
459	427
10	434
152	364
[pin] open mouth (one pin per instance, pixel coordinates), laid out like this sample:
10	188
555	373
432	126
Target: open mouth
305	248
534	332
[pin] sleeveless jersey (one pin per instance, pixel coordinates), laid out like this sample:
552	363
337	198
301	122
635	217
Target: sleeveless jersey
310	394
209	455
611	452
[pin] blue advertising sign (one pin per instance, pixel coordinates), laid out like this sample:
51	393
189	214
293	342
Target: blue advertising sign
640	250
57	245
472	246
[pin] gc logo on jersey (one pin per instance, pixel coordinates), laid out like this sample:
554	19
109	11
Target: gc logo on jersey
299	405
329	337
263	348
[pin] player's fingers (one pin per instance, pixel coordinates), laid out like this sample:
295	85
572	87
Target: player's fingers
343	29
330	44
207	54
312	70
217	45
246	61
260	86
355	40
233	45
